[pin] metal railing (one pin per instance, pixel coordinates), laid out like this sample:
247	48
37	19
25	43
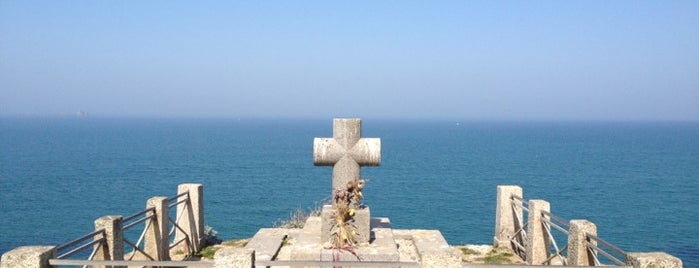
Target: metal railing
98	241
519	239
594	248
594	244
146	216
549	220
174	227
80	244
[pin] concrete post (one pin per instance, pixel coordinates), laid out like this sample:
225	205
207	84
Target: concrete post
191	214
506	217
234	258
113	248
157	238
652	260
538	242
578	253
28	257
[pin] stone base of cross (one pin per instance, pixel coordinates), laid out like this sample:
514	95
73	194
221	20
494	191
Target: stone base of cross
362	219
346	152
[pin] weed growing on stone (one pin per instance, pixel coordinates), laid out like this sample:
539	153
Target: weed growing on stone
468	251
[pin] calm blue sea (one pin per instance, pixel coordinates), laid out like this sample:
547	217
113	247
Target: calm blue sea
638	181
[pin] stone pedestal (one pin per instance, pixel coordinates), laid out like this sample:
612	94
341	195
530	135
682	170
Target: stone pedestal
362	220
382	246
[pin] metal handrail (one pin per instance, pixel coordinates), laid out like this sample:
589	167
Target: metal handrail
607	245
185	238
141	220
178	196
79	239
337	264
151	209
606	254
516	197
556	218
133	263
177	203
555	226
80	248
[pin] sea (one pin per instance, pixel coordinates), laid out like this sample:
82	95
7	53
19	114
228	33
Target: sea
637	181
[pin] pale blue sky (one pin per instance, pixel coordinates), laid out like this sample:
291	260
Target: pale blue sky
542	60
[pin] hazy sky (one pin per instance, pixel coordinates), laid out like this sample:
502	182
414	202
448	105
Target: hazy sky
606	60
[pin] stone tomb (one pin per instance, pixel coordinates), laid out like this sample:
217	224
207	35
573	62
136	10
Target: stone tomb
347	152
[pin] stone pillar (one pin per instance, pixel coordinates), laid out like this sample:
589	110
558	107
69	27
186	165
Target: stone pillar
506	217
652	260
578	253
113	248
538	243
234	258
28	257
157	238
191	214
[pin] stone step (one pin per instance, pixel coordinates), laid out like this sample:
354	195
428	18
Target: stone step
267	242
432	248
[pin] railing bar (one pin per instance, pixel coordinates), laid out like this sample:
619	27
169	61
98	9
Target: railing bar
517	245
186	236
135	248
599	250
553	240
78	240
607	244
138	214
178	202
594	256
94	251
482	265
134	263
555	226
179	217
519	198
128	226
558	254
556	218
143	234
337	263
78	249
174	244
178	196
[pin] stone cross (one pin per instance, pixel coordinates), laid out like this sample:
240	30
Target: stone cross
346	151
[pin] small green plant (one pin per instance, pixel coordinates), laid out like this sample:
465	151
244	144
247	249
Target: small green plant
297	218
502	258
208	252
468	251
239	243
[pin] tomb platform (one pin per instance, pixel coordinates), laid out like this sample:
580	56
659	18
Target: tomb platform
308	245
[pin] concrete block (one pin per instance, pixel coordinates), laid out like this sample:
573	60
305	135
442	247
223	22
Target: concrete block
434	250
234	258
28	257
652	260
